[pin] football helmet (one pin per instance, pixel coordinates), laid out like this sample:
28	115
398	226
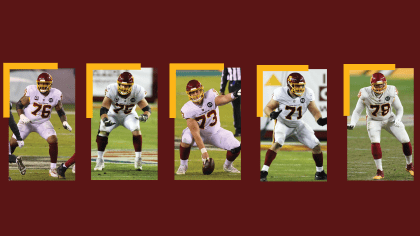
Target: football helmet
193	86
44	82
125	83
296	84
378	83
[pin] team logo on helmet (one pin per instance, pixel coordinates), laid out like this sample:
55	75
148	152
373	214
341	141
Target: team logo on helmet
195	91
125	83
378	83
296	84
44	82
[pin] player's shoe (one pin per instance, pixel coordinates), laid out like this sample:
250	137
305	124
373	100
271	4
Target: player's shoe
61	171
263	176
320	175
182	170
21	166
230	169
410	169
379	174
99	164
137	164
74	169
10	178
53	173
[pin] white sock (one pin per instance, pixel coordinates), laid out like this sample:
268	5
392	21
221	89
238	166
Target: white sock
228	163
408	159
138	154
319	169
184	162
265	168
53	165
64	165
100	154
378	163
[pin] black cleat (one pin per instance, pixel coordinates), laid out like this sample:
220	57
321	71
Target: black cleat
320	175
263	176
61	171
10	178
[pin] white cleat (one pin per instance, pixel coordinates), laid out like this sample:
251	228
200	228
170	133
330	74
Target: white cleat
230	169
182	170
100	164
21	166
53	173
137	164
74	169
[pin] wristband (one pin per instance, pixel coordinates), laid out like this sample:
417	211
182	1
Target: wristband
203	150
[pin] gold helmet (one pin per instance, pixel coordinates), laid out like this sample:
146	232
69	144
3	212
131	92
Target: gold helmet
193	86
125	83
44	82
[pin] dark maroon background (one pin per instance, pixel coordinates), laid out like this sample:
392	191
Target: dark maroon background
317	34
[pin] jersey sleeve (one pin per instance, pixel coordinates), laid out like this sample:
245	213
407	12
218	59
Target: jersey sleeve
141	94
28	92
276	94
310	95
109	92
186	113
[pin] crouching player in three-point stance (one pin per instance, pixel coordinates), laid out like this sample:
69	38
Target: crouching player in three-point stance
203	121
292	103
379	100
34	110
119	108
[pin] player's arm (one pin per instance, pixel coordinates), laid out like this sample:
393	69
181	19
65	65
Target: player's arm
317	114
224	81
147	111
356	114
62	114
195	131
399	109
106	104
21	104
225	99
270	108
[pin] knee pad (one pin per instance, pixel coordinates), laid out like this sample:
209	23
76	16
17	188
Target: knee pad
236	150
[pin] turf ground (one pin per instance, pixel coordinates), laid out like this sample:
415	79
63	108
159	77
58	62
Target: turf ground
36	150
119	153
194	171
360	164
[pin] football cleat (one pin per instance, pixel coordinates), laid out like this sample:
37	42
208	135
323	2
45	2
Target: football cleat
379	174
182	170
74	169
10	178
61	171
230	169
137	164
53	173
99	164
44	82
410	169
263	176
378	83
320	175
192	87
296	84
21	166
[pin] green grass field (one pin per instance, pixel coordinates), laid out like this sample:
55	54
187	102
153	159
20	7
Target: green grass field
36	150
360	164
292	166
194	171
121	139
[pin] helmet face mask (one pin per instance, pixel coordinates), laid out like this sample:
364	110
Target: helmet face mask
296	84
195	91
125	83
378	83
44	83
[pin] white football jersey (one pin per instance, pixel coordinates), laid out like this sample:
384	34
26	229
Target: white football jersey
40	106
206	114
121	105
292	109
378	107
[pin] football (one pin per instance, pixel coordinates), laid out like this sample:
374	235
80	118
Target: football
208	166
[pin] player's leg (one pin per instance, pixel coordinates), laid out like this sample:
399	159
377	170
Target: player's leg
102	141
47	132
225	139
132	123
61	170
400	133
187	141
374	130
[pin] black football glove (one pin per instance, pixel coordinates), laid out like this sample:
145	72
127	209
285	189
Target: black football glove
237	93
108	122
322	121
143	117
350	126
274	114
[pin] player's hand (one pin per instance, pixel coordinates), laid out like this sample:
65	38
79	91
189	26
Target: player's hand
274	114
350	126
143	117
398	123
67	126
205	156
237	93
108	122
322	121
20	143
23	119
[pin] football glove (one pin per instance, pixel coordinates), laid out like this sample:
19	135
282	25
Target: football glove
350	126
398	123
322	121
67	126
20	143
143	117
274	114
237	93
24	119
108	122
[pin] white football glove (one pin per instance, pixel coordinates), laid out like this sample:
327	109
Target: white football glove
67	126
236	94
143	117
398	123
350	126
20	143
23	119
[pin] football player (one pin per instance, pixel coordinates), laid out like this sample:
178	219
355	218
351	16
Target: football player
379	99
34	110
293	101
203	121
61	170
19	140
119	108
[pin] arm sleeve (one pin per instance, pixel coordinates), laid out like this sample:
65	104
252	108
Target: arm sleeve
357	112
224	80
398	108
14	128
